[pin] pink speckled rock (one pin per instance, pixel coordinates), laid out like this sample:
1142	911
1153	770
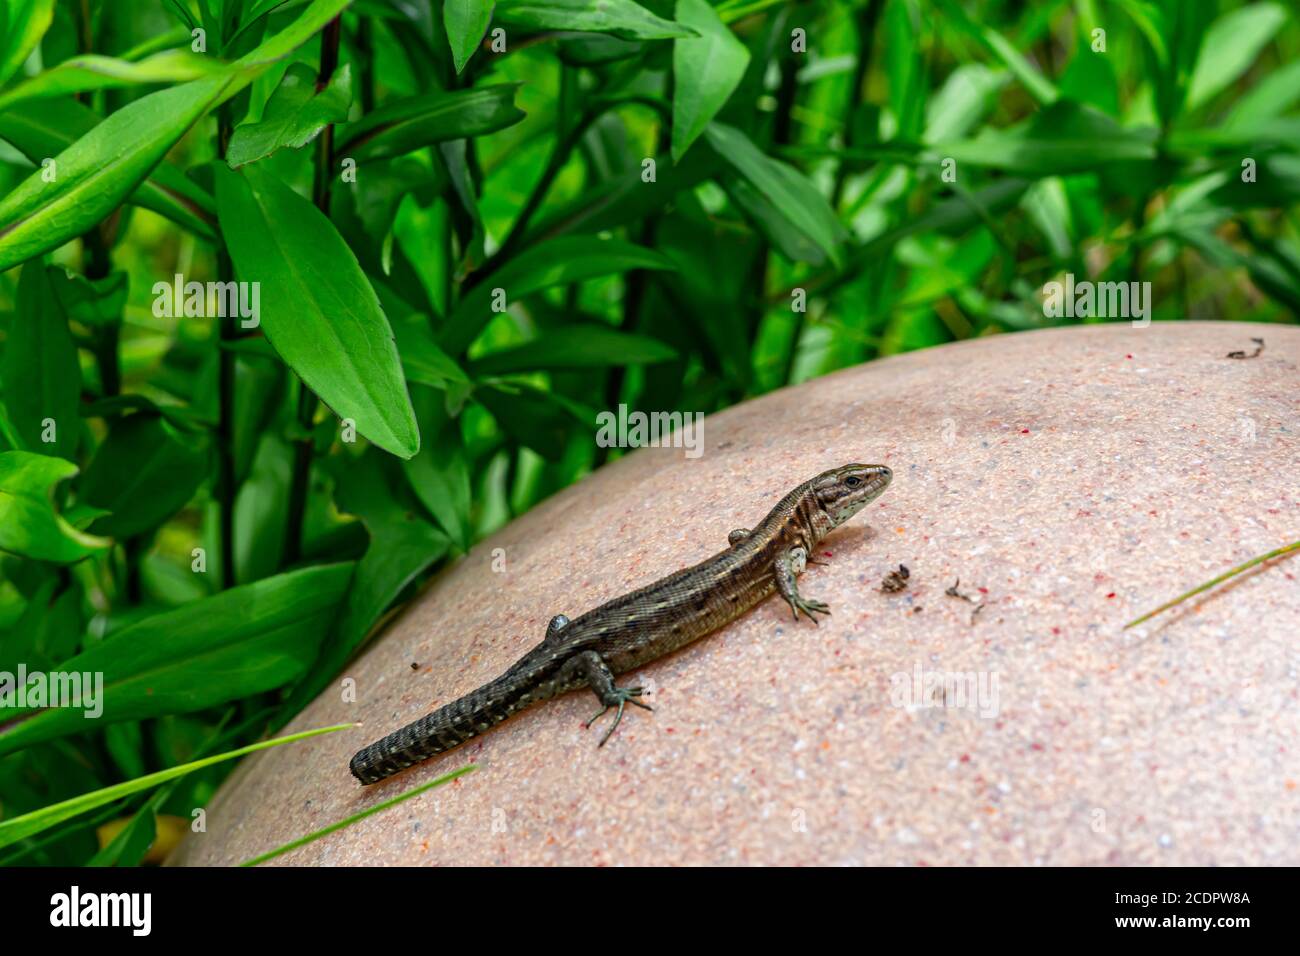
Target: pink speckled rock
1072	479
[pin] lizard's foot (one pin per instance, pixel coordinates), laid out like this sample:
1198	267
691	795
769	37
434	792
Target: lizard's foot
619	697
808	606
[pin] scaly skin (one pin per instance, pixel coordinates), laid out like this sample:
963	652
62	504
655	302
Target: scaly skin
631	630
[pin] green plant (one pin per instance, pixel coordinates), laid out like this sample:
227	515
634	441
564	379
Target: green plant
466	228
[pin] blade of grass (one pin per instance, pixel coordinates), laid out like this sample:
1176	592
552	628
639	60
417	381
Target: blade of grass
1277	553
348	821
11	831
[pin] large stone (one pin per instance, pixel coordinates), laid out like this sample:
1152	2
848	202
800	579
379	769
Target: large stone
1071	479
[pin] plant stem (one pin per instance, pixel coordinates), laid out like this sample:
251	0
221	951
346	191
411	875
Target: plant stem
865	19
1276	553
559	156
366	50
300	482
226	394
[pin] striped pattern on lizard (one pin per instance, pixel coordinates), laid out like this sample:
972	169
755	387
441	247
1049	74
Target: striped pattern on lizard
638	627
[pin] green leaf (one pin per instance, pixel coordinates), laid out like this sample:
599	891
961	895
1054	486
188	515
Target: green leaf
1275	94
905	67
294	115
143	473
249	639
101	169
418	121
317	307
952	216
92	302
41	374
536	419
1089	79
45	128
706	71
403	545
422	359
1064	138
24	22
792	193
29	824
94	175
131	844
770	221
29	525
620	18
575	346
1230	46
466	22
555	262
91	72
439	475
1037	85
360	815
965	98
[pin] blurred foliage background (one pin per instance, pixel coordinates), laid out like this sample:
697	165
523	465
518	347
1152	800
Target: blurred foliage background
554	208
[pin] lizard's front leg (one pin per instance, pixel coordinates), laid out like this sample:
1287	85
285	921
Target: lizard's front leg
591	667
789	564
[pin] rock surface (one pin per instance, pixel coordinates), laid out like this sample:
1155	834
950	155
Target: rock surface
1071	479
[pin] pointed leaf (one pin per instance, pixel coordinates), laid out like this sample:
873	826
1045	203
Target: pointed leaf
419	121
143	473
789	190
41	374
706	71
101	169
45	128
250	639
575	346
620	18
29	525
294	115
25	22
1230	46
551	263
1063	138
466	22
92	72
29	824
317	307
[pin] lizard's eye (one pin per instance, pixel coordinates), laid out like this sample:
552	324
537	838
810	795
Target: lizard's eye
853	481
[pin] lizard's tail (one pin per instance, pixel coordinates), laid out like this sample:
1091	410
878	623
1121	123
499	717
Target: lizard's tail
445	728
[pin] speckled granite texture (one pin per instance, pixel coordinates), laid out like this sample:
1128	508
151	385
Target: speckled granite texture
1071	479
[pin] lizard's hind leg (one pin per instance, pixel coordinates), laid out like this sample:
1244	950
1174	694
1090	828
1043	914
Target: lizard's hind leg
590	666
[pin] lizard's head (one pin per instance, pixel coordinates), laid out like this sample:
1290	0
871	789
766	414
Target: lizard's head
843	492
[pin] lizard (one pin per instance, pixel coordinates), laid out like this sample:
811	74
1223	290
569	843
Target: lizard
645	624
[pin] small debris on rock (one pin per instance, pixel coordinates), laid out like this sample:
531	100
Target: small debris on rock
1259	347
414	666
953	592
895	580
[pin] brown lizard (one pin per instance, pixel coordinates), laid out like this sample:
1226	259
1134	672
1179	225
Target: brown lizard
643	625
